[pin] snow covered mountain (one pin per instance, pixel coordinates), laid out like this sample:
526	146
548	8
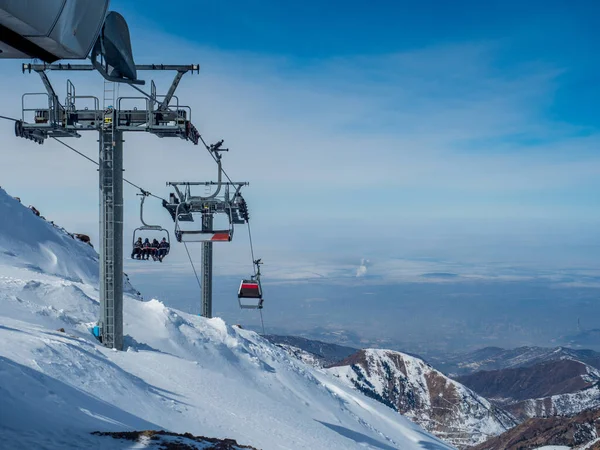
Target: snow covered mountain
581	432
495	358
180	373
560	387
412	387
567	404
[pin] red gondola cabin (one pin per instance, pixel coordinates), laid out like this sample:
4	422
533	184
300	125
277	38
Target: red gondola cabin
249	289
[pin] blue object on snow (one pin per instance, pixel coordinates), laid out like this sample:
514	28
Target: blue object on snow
96	331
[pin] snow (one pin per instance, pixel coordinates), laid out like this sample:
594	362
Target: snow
473	419
553	447
563	404
180	372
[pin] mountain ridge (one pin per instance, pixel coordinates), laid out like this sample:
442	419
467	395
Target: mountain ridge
415	389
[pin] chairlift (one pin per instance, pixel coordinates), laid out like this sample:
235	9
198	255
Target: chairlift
250	292
201	233
164	233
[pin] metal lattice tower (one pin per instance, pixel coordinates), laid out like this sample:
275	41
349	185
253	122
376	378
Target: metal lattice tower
111	223
206	273
159	117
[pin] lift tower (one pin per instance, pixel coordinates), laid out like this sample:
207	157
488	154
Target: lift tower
159	115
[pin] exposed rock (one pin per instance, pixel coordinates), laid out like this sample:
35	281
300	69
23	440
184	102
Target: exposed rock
541	380
563	387
578	432
165	440
412	387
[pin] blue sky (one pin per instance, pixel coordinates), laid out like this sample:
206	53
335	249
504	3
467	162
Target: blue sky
462	130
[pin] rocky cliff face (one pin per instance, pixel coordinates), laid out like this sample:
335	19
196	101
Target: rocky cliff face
562	387
579	432
412	387
557	405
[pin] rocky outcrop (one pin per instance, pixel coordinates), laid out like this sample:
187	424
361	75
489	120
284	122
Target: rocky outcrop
541	380
563	387
579	432
173	441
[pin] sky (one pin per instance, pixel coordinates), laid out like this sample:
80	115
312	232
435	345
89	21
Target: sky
462	132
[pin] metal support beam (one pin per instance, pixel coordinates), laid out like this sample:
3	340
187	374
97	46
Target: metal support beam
111	232
54	105
165	103
206	275
88	67
207	183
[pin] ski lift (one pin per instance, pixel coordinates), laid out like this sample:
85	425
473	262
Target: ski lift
250	292
207	207
164	233
206	233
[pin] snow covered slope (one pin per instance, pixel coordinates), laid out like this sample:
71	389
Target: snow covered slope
567	404
313	352
559	387
29	241
414	388
180	372
581	432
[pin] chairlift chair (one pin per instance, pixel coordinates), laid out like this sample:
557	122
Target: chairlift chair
146	227
200	235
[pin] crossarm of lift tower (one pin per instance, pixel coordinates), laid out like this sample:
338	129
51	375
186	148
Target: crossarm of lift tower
161	115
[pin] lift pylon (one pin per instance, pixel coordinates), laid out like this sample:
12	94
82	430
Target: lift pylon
162	116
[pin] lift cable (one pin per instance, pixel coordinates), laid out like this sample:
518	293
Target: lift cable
254	261
144	192
262	322
91	160
247	221
193	267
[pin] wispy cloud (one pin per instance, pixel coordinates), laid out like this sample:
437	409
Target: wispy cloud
433	133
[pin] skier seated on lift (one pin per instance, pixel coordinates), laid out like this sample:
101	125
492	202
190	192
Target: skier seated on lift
147	249
163	249
137	249
154	250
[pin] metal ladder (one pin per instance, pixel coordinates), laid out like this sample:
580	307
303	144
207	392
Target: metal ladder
107	190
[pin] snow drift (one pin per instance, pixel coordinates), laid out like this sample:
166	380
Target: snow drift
180	372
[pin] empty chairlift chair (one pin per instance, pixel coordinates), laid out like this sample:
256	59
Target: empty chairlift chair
200	231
